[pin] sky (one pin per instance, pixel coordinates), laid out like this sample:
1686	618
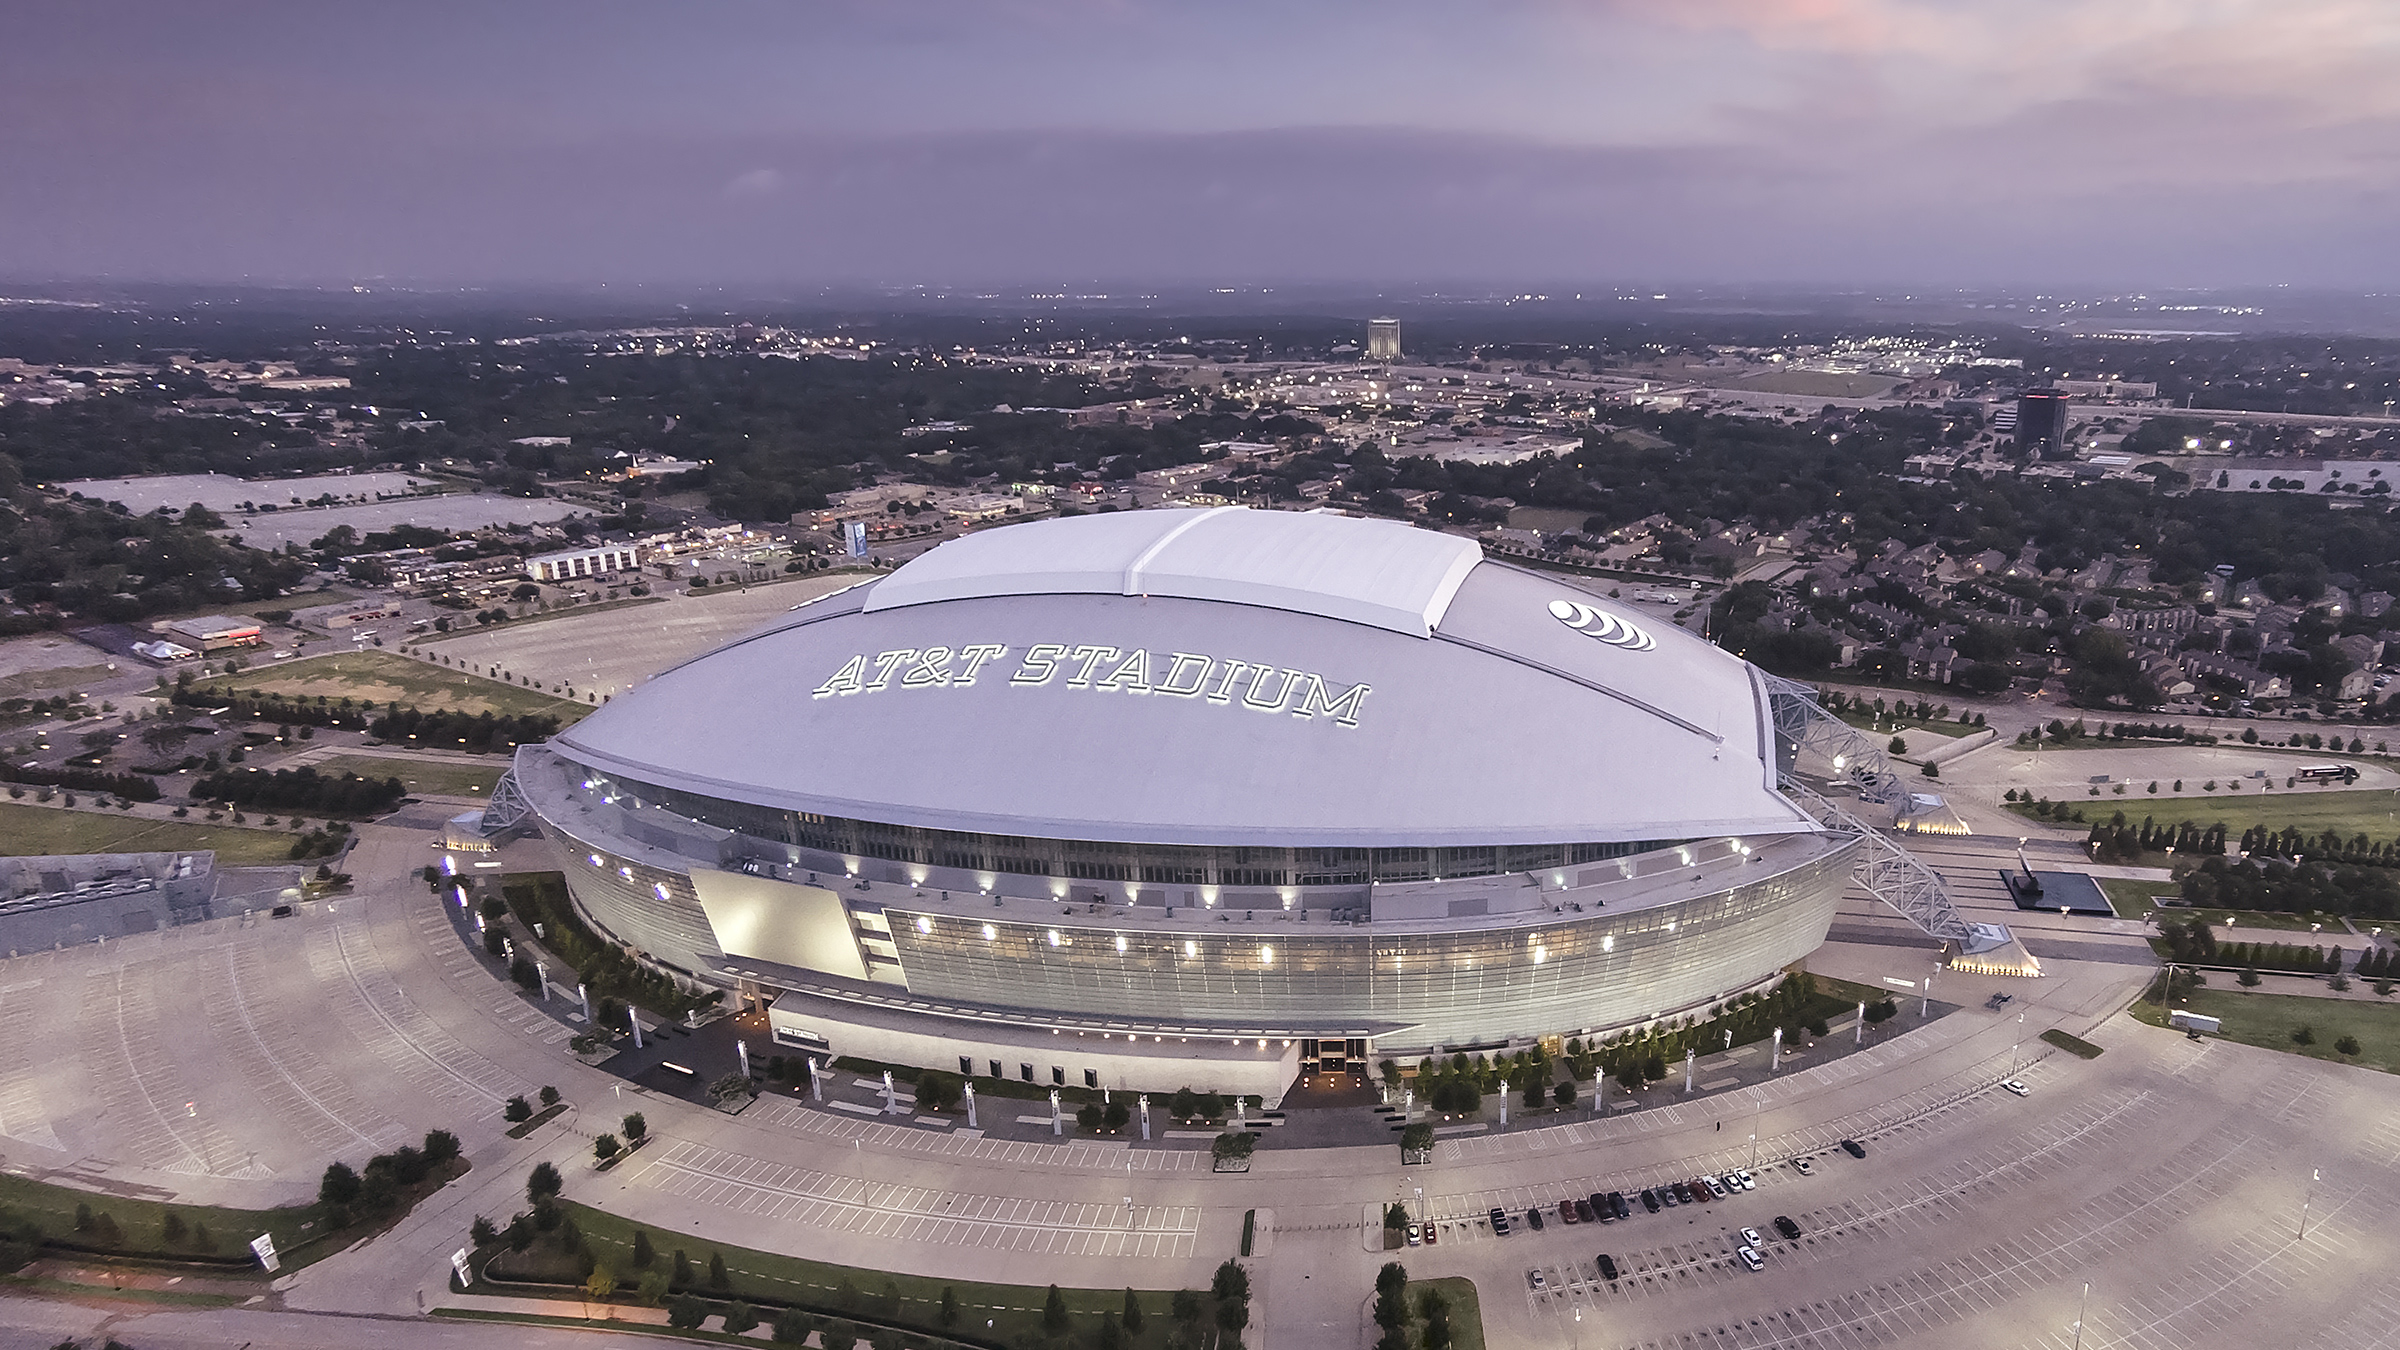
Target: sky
1099	143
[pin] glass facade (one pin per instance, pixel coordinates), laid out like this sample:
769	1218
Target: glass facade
1481	984
1090	860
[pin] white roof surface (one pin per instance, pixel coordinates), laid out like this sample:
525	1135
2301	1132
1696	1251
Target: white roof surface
1535	713
1373	572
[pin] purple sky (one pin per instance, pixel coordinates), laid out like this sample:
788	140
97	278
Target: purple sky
1009	143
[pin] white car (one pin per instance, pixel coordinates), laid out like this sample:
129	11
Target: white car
1804	1167
1750	1238
2018	1088
1742	1175
1539	1282
1752	1259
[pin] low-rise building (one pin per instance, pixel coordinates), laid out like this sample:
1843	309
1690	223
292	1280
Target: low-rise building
216	632
596	561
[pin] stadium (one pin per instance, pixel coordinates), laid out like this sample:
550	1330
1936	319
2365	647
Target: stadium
1206	797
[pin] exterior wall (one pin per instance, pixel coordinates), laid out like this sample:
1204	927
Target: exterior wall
588	562
1120	1064
1594	971
620	894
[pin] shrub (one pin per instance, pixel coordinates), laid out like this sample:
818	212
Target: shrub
2304	1034
605	1147
549	1097
938	1091
740	1318
518	1111
544	1183
686	1312
440	1146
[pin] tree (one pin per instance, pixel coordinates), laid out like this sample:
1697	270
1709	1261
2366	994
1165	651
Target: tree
686	1312
2304	1034
483	1232
683	1270
740	1318
549	1097
518	1110
793	1326
1899	746
1054	1311
1395	1215
643	1253
652	1287
717	1276
440	1147
1563	1094
947	1314
1231	1281
2248	979
601	1285
1185	1306
339	1185
604	1147
2347	1045
543	1183
1132	1316
938	1091
635	1127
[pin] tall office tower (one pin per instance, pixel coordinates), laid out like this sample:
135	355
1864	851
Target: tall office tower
1383	339
2042	421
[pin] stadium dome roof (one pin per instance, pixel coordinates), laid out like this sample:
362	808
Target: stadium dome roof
1223	677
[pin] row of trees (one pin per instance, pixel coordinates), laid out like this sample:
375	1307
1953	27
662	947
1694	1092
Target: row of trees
478	733
2116	839
129	786
342	1192
302	789
2288	888
608	970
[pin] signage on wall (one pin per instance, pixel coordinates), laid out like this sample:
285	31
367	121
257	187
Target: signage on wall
1099	669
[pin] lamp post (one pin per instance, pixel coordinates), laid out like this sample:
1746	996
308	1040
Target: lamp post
2080	1309
1757	1110
1775	1058
2308	1199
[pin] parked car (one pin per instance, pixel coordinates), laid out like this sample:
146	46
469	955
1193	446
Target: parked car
1616	1201
1433	1234
1752	1259
1749	1182
1650	1200
1500	1222
1533	1217
1608	1266
1416	1236
1674	1193
1584	1213
1854	1148
2018	1087
1606	1212
1750	1238
1715	1187
1566	1212
1785	1226
1538	1281
1804	1167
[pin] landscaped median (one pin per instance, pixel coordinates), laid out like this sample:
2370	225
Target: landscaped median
589	1263
37	1217
2345	1031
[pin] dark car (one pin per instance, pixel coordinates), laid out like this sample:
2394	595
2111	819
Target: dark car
1584	1213
1671	1194
1616	1201
1601	1208
1533	1217
1854	1148
1699	1191
1785	1226
1608	1266
1500	1222
1650	1200
1566	1212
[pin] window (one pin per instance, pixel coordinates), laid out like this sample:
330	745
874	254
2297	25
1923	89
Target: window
1091	1078
997	1071
1058	1076
1027	1071
966	1066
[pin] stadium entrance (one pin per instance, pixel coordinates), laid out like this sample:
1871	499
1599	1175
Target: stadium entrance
1348	1055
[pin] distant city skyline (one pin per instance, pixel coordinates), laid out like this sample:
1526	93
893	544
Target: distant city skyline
1809	142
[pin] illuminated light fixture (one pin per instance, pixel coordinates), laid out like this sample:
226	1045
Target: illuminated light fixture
661	889
1191	948
1120	942
924	923
989	932
1608	942
1540	954
595	859
1053	937
625	872
1266	956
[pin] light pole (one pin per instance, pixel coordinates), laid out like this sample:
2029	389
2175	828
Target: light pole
1757	1109
2080	1309
2305	1201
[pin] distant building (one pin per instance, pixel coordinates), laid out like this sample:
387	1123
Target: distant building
217	632
1383	339
2042	421
599	560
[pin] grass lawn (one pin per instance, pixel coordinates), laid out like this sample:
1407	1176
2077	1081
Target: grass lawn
2132	901
1466	1310
568	612
441	779
42	683
44	829
2268	1020
1015	1310
299	601
381	677
2374	812
141	1224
